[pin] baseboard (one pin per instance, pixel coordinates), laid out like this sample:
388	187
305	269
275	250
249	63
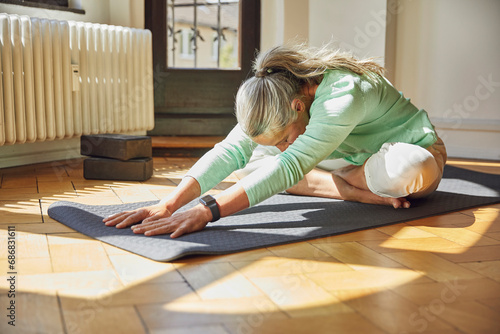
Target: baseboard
467	124
31	153
38	152
471	144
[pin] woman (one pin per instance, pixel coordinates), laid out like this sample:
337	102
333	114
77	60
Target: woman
317	107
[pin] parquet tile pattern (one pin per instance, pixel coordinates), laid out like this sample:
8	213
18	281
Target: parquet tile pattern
434	275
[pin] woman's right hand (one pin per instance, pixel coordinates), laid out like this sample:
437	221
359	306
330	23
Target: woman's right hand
144	214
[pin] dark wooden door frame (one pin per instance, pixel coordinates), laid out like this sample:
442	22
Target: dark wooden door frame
198	101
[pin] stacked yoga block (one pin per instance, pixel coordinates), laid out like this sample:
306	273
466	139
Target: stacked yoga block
117	157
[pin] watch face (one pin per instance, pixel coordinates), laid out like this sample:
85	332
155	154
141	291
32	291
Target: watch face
211	203
207	200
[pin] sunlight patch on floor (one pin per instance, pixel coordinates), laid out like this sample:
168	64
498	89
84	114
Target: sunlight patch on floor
472	163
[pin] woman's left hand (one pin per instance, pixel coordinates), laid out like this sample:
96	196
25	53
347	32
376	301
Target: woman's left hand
192	220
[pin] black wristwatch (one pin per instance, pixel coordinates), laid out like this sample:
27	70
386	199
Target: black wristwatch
211	203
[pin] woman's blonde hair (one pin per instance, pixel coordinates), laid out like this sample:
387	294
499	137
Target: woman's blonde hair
263	102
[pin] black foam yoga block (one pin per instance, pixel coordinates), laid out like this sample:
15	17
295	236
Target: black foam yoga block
112	169
116	146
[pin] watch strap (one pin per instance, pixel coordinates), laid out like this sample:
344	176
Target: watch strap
210	202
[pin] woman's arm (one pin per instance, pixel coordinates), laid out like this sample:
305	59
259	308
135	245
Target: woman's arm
159	218
186	191
213	167
230	201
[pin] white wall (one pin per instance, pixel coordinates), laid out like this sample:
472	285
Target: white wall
448	62
356	25
283	21
319	22
443	54
127	13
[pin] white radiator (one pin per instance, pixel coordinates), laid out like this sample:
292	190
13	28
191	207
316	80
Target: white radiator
62	79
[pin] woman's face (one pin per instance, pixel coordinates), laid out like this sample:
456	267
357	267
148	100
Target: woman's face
286	137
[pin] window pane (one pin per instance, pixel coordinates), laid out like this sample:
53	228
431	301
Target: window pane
202	33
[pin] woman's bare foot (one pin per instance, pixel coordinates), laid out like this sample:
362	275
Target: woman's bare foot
399	202
320	183
349	192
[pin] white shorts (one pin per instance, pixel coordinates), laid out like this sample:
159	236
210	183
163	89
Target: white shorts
401	170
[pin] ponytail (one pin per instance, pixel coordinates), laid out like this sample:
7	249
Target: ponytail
308	63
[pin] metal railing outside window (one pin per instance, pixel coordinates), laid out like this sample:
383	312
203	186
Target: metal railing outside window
202	34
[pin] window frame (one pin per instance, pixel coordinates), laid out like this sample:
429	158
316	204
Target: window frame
199	101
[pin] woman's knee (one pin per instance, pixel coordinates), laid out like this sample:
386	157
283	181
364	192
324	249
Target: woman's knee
401	170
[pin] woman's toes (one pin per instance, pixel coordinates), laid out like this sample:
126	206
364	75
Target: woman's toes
401	203
395	202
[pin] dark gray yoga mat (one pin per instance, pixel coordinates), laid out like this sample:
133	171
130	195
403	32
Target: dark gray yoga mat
281	219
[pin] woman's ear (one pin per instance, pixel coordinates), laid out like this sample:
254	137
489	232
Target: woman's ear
298	105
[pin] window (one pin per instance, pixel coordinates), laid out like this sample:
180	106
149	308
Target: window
202	51
213	33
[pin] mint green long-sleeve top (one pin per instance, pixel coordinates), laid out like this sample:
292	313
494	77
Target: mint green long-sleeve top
351	117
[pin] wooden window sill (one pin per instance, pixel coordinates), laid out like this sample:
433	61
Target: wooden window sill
44	6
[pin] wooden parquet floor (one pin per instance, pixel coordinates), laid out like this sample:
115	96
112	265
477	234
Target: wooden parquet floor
435	275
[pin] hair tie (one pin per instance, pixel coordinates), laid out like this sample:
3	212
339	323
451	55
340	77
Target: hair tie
263	73
266	72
